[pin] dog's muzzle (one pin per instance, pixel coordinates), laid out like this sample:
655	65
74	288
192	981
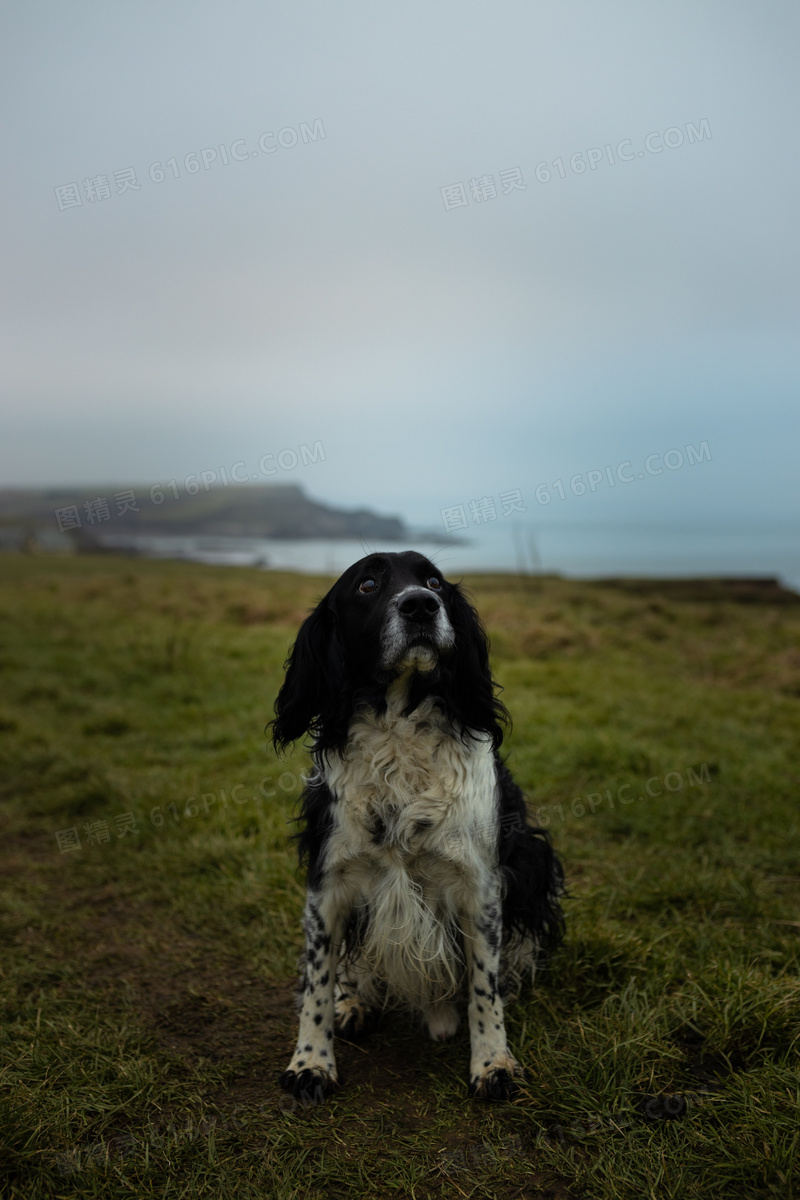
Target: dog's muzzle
417	629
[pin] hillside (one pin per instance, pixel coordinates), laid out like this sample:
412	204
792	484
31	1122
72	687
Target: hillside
264	511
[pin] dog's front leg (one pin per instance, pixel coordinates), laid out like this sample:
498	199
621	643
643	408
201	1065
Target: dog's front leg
492	1068
311	1074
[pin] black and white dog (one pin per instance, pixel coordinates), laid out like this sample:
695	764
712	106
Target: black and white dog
425	879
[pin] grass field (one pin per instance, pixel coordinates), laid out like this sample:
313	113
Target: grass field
148	973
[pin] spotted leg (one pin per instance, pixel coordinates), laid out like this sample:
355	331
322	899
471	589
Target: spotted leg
492	1068
311	1075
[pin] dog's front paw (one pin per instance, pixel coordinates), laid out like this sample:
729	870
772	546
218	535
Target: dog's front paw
353	1019
310	1085
497	1079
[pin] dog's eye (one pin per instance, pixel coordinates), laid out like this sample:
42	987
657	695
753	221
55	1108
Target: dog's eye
367	585
433	583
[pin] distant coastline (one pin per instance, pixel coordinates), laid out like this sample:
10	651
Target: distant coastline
87	520
530	544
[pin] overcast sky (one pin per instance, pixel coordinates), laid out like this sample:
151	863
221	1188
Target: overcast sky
612	272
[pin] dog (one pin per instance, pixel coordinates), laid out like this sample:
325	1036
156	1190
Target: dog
425	879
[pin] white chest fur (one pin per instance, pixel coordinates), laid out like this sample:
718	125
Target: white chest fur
408	784
413	842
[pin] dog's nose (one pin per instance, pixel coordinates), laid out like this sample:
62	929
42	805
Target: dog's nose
419	606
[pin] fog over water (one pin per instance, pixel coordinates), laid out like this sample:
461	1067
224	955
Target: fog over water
468	250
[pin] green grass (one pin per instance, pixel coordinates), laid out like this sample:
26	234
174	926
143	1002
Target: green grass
147	977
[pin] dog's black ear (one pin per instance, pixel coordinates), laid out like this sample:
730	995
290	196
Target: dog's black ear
469	678
314	689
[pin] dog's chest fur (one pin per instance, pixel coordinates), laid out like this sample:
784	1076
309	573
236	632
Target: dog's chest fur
413	843
410	798
405	785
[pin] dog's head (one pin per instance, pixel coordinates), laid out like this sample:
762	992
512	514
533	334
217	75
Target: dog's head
393	614
388	615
